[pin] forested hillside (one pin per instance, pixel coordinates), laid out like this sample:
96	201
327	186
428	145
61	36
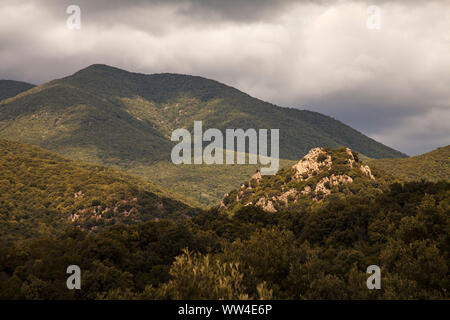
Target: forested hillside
319	253
314	245
41	194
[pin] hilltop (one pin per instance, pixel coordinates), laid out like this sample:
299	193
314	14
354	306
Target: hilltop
42	193
323	173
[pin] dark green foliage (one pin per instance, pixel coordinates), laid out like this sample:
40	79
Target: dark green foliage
320	253
122	257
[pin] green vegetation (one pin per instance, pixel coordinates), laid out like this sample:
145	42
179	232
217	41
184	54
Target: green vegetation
321	252
205	184
41	194
308	232
316	248
107	116
431	166
10	88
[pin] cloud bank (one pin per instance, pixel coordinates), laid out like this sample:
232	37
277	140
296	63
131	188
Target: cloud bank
391	84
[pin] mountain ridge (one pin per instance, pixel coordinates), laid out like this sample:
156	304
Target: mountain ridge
101	80
108	116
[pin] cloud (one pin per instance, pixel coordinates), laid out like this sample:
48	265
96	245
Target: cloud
429	130
391	84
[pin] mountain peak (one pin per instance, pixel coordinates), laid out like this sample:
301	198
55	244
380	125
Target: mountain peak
316	176
99	68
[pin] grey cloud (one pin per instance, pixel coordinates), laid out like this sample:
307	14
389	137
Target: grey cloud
316	55
243	11
233	10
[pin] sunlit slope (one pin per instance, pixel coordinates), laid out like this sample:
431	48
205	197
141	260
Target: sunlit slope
432	166
41	193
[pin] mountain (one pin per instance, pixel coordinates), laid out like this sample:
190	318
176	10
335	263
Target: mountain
116	118
323	174
11	88
431	166
41	193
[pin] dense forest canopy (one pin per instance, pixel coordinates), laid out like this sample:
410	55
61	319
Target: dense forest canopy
321	253
41	193
317	248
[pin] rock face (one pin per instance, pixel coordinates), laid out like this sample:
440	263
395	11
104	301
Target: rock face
257	176
317	175
315	160
366	170
324	186
291	193
266	205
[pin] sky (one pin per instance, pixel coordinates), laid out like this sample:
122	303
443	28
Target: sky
382	67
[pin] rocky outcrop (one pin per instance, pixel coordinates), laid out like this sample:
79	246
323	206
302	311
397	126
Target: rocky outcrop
306	190
257	176
351	159
266	205
366	170
78	194
284	198
316	175
315	160
222	203
325	185
74	217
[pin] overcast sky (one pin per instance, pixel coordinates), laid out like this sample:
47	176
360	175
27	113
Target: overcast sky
391	83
